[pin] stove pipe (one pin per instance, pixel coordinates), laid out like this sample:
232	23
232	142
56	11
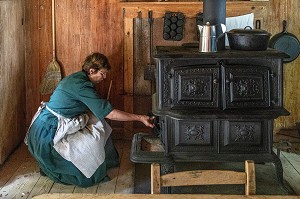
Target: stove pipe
214	12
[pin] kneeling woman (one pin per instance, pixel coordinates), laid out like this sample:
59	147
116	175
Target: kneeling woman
69	136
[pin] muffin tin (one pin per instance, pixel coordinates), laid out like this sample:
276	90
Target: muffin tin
173	26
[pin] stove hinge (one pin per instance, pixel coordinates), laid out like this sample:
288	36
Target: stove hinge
170	100
220	62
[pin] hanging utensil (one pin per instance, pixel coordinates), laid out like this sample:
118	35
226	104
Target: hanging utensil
109	89
53	73
149	70
287	43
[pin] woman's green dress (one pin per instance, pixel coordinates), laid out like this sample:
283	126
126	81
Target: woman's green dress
73	96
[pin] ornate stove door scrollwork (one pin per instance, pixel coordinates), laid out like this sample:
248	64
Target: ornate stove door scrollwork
191	135
195	86
246	87
245	136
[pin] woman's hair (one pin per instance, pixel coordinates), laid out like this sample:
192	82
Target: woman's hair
96	61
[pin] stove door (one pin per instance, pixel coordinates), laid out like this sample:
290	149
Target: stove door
245	136
192	136
246	87
195	86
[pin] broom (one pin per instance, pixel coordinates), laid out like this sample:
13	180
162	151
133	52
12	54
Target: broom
53	74
109	89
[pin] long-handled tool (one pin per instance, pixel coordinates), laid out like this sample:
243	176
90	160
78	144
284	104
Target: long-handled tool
149	70
109	89
53	74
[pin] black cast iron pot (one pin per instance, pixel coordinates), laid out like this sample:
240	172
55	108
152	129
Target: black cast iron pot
248	39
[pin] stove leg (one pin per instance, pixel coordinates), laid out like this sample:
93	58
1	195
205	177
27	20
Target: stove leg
279	172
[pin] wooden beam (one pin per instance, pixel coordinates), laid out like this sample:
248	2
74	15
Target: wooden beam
190	9
155	178
159	196
250	186
203	177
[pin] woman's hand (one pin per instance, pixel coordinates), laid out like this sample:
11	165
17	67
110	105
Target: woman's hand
148	121
125	116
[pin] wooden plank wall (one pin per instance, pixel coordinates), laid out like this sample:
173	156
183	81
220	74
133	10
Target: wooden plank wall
84	26
289	10
12	78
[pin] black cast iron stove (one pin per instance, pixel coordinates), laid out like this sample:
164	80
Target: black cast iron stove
215	107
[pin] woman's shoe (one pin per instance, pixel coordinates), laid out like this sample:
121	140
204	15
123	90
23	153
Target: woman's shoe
42	172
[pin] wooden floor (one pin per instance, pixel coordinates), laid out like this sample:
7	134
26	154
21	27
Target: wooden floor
290	159
20	178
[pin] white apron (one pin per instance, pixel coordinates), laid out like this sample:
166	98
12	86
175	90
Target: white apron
80	140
